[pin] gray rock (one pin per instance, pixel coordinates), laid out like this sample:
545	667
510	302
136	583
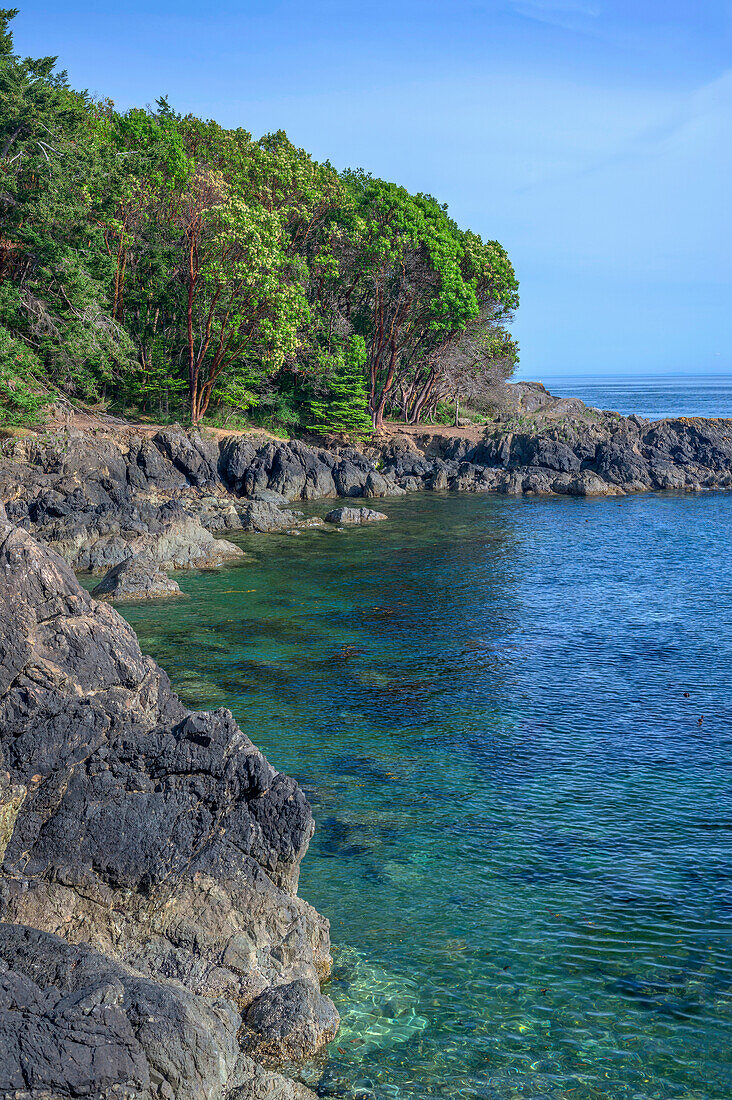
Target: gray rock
349	479
375	485
74	1023
267	496
254	1082
161	838
136	578
349	515
197	458
262	516
237	455
319	481
287	473
180	543
289	1020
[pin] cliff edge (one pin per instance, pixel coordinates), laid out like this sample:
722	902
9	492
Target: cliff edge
153	943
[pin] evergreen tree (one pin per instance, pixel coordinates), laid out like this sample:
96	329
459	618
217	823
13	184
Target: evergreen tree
345	405
166	266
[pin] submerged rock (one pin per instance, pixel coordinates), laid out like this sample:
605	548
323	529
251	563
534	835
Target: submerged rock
148	888
136	578
349	515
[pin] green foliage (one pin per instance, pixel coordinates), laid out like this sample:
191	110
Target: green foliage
167	266
22	396
444	413
344	407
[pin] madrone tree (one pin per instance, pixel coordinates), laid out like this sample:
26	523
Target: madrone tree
244	296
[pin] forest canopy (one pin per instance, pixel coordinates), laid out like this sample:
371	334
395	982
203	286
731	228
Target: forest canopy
159	265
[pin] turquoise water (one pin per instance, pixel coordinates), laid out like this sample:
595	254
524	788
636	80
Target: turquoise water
680	396
523	825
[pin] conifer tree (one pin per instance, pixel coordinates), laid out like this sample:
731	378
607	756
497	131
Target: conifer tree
345	406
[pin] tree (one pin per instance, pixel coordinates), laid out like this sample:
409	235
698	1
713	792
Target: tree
51	269
410	283
344	407
245	301
145	255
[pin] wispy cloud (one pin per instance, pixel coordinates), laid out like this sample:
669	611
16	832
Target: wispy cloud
562	13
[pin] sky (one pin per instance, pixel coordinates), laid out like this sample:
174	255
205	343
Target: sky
592	138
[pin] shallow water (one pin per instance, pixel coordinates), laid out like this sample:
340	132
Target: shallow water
524	833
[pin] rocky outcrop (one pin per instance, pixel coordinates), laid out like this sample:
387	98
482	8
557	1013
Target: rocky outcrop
350	516
101	498
262	516
151	857
595	454
171	538
136	578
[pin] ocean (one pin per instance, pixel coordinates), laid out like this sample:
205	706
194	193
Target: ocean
655	399
512	718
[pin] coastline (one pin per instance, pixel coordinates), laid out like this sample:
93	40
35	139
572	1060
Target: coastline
101	498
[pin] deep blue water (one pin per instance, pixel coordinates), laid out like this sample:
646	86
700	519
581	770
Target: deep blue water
524	823
655	399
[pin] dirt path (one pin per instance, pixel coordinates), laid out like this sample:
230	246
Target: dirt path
94	422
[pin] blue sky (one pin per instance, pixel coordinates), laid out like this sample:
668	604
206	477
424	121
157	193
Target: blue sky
592	138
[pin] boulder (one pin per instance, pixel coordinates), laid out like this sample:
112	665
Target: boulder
136	578
348	515
289	1020
263	516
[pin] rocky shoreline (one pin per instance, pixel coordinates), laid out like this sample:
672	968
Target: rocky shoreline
100	498
153	944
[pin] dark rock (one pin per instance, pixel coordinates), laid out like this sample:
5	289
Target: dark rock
101	498
254	1082
319	480
618	462
289	1020
74	1023
196	458
287	473
548	453
237	455
375	485
147	467
350	479
136	579
261	516
161	838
